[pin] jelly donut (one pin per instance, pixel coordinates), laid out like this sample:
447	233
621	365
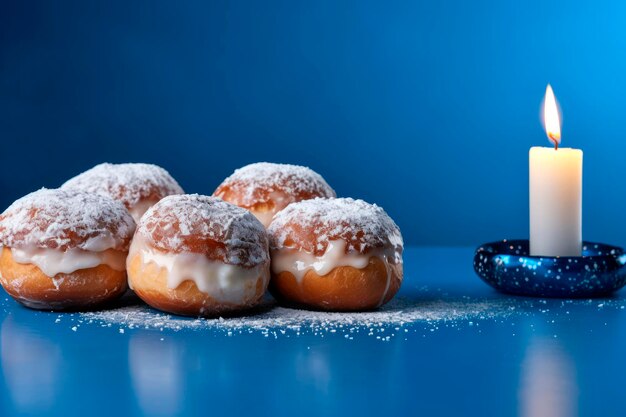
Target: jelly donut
199	256
335	254
265	188
138	186
64	249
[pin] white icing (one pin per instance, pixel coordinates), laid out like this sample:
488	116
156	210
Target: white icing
223	282
299	262
265	217
140	208
388	283
99	243
53	261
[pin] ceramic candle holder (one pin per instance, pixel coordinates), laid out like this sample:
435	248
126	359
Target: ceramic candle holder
508	267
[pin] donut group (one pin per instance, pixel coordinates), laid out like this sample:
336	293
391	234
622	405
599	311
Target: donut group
275	227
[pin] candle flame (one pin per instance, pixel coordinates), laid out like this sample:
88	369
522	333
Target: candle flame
551	117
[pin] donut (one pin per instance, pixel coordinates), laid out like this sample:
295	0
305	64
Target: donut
64	249
199	256
335	254
265	188
138	186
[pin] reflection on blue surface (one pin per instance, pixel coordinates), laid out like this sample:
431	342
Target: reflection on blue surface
548	385
157	375
551	357
31	365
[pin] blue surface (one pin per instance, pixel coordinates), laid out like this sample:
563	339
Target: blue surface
548	357
427	108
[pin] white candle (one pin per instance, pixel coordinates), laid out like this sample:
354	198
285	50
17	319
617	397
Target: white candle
555	192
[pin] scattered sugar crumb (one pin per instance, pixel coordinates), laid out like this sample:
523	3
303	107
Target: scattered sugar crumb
433	311
275	321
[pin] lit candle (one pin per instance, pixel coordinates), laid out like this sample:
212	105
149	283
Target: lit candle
555	191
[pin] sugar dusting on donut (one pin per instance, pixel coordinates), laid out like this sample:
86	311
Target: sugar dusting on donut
202	224
129	183
255	183
310	225
66	219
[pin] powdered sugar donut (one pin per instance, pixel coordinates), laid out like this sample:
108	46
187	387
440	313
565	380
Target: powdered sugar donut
335	254
64	249
138	186
265	188
198	255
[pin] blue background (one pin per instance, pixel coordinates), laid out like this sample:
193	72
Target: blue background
427	108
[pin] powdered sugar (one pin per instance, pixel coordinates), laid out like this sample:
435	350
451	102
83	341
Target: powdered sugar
184	223
255	183
64	219
422	314
271	320
310	225
128	183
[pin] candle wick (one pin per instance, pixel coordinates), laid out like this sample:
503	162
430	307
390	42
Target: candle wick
555	141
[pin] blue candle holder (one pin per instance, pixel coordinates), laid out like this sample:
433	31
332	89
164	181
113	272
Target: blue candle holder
508	267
